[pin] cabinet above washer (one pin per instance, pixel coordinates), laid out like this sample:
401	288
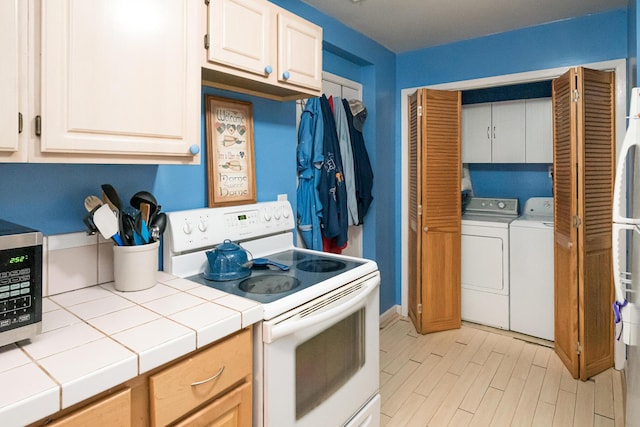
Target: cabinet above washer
508	132
258	48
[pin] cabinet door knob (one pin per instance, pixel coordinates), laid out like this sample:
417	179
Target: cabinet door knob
425	229
194	149
268	70
286	75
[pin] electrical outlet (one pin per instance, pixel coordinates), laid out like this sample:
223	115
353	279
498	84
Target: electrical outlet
282	197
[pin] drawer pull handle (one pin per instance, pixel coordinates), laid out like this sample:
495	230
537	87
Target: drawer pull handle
209	379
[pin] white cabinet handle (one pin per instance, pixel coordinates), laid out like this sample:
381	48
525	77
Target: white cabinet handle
208	379
488	130
494	132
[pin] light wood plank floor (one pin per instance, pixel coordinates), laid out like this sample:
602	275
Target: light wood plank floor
476	376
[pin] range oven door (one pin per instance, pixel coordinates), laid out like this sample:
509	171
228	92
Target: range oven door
321	360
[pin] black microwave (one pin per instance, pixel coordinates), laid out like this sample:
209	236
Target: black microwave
20	282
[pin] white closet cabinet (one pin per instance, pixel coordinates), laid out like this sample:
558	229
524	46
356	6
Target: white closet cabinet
13	33
476	133
256	47
539	139
120	81
493	132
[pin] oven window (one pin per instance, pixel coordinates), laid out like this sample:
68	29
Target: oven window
327	361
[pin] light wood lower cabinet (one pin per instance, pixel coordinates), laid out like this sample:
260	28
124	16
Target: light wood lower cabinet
232	409
209	387
113	410
188	384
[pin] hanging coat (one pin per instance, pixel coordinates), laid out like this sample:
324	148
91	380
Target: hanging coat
310	160
361	167
332	188
344	138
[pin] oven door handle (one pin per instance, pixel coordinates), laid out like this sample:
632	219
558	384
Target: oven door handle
297	323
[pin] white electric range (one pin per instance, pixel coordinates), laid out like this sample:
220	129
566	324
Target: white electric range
317	348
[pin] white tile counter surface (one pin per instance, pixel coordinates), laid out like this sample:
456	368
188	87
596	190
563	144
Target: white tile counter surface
96	338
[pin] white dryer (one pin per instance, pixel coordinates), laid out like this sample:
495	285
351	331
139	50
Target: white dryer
532	278
485	260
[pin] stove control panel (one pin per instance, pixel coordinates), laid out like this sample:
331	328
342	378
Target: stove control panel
203	228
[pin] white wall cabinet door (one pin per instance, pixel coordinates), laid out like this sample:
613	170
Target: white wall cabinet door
476	133
493	132
299	51
120	81
231	41
508	132
13	22
539	131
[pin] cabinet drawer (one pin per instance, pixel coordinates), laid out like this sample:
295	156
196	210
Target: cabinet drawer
113	410
232	409
182	387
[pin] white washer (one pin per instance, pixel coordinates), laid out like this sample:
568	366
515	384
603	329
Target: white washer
532	278
485	260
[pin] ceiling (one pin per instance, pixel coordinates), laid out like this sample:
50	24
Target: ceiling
405	25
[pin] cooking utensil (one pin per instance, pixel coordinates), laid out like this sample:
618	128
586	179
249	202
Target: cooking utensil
91	227
127	229
92	202
145	197
107	223
265	262
111	196
227	261
145	209
141	232
158	225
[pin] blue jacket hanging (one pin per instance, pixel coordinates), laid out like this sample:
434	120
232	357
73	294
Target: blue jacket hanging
310	161
332	188
361	166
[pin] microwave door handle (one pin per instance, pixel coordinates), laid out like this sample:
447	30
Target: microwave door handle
293	325
619	282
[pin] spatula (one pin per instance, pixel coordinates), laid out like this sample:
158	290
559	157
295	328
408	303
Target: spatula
107	223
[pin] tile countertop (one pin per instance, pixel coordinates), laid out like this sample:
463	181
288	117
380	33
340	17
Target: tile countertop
96	338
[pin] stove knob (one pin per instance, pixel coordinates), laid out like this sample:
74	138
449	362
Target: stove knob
277	212
285	212
202	226
187	227
501	205
266	214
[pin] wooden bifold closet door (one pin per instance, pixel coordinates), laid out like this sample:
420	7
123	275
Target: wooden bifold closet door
434	246
584	158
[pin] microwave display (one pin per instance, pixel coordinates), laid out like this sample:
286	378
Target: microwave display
19	287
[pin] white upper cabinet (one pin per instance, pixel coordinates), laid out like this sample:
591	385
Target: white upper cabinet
507	132
493	132
13	30
476	133
299	51
256	47
240	35
539	131
119	82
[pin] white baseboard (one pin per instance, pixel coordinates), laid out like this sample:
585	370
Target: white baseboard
388	315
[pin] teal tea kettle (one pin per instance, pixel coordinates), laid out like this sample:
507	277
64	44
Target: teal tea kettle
227	261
